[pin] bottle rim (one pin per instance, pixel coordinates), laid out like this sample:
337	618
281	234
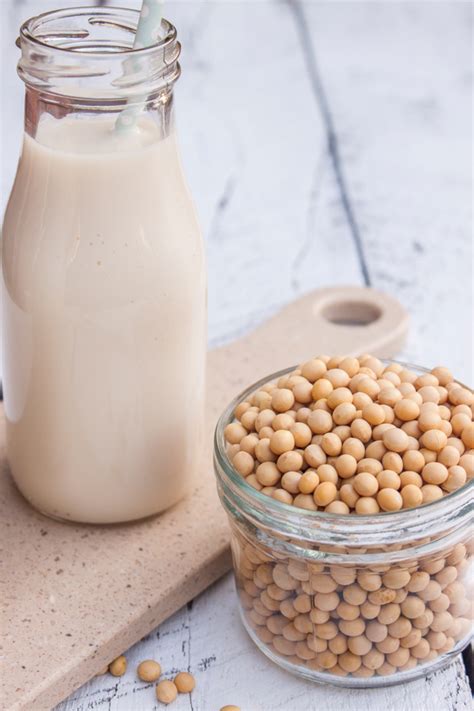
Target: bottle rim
110	16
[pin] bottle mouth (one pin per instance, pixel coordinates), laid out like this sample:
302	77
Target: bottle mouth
71	51
92	31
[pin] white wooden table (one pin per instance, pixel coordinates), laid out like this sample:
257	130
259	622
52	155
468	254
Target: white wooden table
325	143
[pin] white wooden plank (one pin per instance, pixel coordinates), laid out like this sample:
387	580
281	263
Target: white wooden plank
254	148
397	77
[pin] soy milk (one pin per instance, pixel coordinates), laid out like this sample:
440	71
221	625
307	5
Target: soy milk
104	322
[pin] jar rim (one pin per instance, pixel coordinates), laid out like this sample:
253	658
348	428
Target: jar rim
383	527
27	31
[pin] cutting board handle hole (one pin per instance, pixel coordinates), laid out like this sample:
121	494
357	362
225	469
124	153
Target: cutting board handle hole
351	313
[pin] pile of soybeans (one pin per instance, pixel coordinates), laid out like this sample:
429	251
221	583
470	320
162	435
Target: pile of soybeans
354	435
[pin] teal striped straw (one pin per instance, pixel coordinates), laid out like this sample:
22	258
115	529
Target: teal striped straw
147	34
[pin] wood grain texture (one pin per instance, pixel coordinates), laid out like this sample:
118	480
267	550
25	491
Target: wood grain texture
299	188
398	100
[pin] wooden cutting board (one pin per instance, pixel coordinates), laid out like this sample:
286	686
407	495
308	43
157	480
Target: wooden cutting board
76	596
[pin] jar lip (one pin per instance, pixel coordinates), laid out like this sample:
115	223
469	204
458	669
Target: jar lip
27	31
358	525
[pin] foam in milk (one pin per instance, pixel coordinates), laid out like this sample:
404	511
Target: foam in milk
104	322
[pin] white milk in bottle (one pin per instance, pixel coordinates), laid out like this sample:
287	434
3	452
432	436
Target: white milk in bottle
103	304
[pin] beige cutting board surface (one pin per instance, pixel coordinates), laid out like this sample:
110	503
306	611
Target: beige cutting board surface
76	596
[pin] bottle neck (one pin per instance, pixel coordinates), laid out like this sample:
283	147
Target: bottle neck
80	63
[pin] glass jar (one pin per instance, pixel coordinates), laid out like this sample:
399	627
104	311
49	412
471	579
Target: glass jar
104	286
351	600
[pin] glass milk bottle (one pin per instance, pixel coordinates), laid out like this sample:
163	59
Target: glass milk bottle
104	287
